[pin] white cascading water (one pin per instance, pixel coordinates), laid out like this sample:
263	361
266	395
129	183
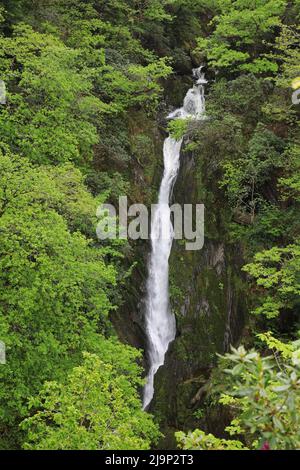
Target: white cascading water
160	321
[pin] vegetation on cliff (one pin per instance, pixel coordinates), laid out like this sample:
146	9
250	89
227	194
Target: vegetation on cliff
73	71
252	143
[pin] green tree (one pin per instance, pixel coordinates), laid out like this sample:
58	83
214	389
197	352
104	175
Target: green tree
96	408
245	176
199	440
56	287
50	116
263	394
60	94
240	33
277	272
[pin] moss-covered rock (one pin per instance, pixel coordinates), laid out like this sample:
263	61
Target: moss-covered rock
206	288
208	298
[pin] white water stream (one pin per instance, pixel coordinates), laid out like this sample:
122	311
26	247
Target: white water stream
160	321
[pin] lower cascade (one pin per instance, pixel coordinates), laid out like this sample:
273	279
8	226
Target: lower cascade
160	321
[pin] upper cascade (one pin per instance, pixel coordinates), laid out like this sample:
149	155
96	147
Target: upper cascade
194	101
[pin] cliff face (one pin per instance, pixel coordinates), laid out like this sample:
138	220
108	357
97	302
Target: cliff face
206	288
208	296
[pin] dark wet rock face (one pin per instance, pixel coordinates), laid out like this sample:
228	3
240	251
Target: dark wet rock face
207	291
208	296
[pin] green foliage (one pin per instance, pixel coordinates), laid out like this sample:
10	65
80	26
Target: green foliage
288	55
266	392
55	286
96	408
239	33
246	175
263	395
277	271
290	183
178	127
198	440
155	10
242	97
135	84
285	349
51	114
74	71
60	94
250	146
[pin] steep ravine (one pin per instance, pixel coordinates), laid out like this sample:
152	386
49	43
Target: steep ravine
208	297
206	290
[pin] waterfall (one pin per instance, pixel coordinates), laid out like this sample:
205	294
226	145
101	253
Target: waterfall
160	321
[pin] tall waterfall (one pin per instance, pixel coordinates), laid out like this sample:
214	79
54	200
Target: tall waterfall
160	321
